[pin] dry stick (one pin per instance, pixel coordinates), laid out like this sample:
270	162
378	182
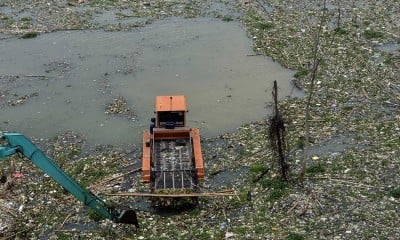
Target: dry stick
306	205
261	175
217	172
3	209
15	234
328	178
127	164
124	174
224	213
317	201
227	191
237	196
265	10
316	61
211	194
280	136
39	76
293	207
65	220
113	178
343	179
69	230
253	55
358	184
379	224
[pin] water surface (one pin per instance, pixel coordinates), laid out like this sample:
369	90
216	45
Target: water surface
77	73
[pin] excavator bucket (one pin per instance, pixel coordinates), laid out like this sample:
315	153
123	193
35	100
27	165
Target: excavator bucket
128	217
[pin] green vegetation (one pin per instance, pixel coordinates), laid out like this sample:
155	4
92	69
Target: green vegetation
26	19
241	199
30	35
294	236
276	194
301	73
340	31
102	2
395	192
258	168
94	215
3	17
278	188
347	108
315	169
63	236
371	34
78	168
94	176
274	183
263	25
227	18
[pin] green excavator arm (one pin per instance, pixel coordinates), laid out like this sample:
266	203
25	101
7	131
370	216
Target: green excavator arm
18	143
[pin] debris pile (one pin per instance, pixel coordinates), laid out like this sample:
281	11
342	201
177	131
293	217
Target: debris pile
120	107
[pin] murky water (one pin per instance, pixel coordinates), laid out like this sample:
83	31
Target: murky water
206	60
390	47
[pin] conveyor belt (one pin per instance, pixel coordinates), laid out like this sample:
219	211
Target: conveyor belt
173	166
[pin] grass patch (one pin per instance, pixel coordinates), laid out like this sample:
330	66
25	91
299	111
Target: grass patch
240	230
95	216
78	169
3	17
227	18
102	2
204	235
241	201
26	19
278	188
62	236
347	108
371	34
315	169
276	194
93	177
294	236
340	31
30	35
388	61
302	73
258	168
274	183
263	25
395	192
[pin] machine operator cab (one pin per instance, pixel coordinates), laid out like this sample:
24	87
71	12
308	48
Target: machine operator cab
170	112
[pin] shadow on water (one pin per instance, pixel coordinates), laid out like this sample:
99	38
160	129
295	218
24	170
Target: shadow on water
74	75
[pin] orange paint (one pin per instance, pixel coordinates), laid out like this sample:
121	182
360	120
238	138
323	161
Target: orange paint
171	111
170	103
146	157
198	156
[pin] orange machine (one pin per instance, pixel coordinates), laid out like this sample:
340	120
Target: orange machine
172	157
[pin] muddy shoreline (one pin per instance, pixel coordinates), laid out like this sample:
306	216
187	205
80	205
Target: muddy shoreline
352	186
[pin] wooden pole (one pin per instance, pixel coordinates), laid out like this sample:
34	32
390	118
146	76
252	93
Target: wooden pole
209	194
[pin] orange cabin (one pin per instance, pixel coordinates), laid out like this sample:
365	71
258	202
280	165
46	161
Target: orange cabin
170	110
172	155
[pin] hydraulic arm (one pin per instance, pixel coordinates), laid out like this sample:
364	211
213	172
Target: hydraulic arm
18	143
